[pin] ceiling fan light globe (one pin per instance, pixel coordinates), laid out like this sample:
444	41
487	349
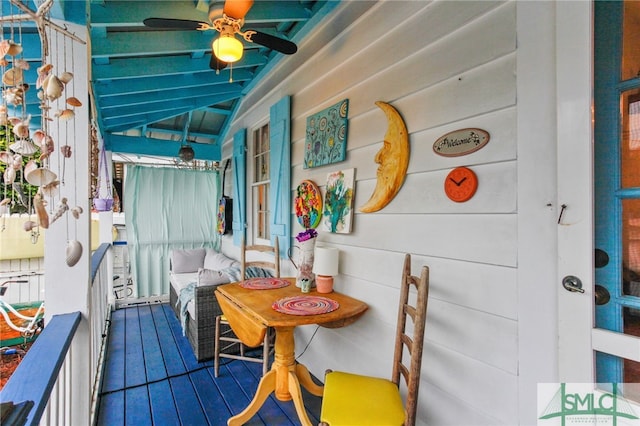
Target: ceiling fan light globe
227	48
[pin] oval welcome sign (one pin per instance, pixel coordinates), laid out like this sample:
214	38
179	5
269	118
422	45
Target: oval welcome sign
461	142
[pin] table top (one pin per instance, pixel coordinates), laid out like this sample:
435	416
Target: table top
258	304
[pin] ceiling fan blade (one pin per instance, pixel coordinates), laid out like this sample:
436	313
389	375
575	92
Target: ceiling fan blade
216	64
171	24
276	43
237	9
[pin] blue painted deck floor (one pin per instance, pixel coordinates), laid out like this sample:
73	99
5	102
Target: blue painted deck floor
152	378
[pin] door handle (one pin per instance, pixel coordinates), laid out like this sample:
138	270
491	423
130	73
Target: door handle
572	283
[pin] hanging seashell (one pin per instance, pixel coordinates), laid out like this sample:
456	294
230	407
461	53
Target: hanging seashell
61	208
40	177
53	87
21	63
4	116
14	96
65	114
76	212
17	161
40	206
9	175
30	166
24	147
51	189
5	201
3	62
43	73
29	225
6	157
17	187
65	150
21	130
12	76
4	47
66	77
45	69
14	49
38	136
46	144
74	252
74	102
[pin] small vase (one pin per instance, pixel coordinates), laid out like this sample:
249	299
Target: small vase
304	265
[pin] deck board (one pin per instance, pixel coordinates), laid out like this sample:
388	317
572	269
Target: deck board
166	385
153	360
135	374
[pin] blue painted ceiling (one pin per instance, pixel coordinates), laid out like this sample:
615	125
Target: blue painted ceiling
153	89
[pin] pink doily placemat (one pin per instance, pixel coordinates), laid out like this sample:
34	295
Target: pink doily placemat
264	283
305	305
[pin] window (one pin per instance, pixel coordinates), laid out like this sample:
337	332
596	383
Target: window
260	184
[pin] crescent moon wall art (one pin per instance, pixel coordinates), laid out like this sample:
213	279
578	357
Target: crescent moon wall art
393	159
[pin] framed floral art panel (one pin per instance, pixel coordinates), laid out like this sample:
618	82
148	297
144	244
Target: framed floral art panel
326	139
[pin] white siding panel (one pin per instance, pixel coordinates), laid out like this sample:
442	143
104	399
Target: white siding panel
417	70
424	192
487	338
489	390
442	409
405	55
485	288
489	88
474	238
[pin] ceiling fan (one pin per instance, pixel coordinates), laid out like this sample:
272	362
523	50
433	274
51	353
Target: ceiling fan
226	17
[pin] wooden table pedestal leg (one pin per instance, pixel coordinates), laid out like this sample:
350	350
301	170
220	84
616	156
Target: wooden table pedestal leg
283	380
265	387
303	375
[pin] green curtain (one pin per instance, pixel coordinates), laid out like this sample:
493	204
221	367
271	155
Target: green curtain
167	208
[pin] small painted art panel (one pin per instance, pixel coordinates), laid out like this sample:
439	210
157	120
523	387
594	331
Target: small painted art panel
326	140
337	215
308	204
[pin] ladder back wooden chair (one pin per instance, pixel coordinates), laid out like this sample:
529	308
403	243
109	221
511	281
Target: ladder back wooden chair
227	344
351	399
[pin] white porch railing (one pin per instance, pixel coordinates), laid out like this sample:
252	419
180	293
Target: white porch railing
41	390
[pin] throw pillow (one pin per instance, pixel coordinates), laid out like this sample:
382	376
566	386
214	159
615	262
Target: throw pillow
187	260
218	261
211	277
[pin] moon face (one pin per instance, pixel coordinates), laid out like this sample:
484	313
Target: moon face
393	158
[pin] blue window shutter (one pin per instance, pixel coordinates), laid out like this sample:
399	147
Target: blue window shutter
280	184
239	187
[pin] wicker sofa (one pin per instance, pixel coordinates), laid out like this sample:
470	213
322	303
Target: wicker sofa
194	275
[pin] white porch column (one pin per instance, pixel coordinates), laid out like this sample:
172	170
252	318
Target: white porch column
67	288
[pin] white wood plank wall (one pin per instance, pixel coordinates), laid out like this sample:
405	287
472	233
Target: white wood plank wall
31	270
444	66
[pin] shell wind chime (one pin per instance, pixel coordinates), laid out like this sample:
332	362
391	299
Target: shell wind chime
31	157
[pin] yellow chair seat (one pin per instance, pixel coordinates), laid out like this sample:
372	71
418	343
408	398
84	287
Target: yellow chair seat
351	399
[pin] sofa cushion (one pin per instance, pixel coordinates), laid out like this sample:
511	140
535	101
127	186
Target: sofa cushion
187	260
217	261
211	277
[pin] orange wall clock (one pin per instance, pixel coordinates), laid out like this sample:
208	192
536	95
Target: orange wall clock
461	184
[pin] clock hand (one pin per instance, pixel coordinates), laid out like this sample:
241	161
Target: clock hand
458	183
